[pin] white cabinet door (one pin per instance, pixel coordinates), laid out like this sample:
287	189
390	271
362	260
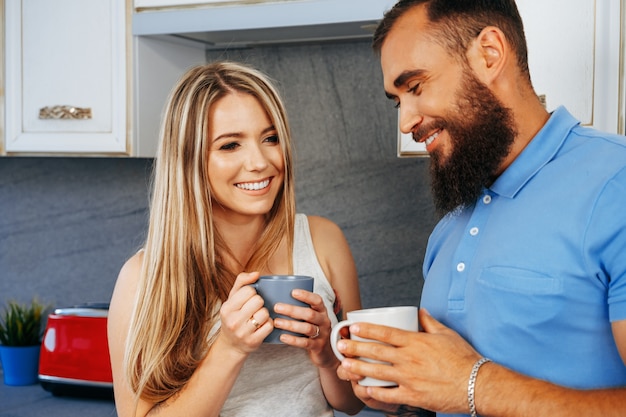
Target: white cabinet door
574	60
65	77
574	56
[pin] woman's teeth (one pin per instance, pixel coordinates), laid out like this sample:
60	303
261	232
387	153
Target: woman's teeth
431	138
252	186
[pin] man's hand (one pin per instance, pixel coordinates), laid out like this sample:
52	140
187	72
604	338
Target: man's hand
430	367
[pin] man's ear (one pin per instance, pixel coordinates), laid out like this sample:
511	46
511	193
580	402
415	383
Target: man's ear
488	54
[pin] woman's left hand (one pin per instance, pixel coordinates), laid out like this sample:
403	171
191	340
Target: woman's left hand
314	325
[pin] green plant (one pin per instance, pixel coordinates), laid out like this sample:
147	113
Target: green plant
20	324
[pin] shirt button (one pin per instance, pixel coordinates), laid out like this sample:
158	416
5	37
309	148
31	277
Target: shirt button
460	267
474	231
487	199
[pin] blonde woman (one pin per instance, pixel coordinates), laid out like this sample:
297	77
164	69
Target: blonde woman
185	328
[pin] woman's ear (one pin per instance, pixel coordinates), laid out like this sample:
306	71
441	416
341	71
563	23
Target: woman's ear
488	54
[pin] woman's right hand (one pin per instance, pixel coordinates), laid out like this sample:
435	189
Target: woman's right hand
245	322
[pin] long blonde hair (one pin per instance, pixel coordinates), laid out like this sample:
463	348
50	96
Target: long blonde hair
184	275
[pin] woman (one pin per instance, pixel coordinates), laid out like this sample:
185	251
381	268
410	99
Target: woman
185	327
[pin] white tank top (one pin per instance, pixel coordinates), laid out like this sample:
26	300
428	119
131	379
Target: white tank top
279	380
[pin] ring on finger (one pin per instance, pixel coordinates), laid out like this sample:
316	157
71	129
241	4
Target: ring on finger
255	323
317	332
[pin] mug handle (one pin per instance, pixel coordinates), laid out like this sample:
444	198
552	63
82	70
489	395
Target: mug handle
335	336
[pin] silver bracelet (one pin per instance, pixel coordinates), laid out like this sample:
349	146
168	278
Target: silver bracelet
471	384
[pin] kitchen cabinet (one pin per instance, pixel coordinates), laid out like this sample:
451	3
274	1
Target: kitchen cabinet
111	63
2	83
173	35
142	4
576	59
158	64
247	23
66	77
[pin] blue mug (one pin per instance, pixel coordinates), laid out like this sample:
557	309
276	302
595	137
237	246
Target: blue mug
277	289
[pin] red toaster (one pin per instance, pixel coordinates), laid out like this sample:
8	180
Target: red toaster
74	358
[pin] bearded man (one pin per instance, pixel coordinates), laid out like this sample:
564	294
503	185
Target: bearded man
523	311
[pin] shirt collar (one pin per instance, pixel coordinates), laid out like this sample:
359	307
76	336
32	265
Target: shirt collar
537	153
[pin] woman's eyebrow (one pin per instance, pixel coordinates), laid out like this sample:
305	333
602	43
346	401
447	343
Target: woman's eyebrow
240	134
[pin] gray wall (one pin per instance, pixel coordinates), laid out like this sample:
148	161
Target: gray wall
68	224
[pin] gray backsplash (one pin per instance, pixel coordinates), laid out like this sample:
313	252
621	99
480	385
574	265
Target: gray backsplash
68	224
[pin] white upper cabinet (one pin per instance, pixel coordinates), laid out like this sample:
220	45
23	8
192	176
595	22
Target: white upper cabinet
172	35
69	68
66	77
246	23
139	4
574	56
575	59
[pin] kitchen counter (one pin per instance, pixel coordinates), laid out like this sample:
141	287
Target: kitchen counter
33	400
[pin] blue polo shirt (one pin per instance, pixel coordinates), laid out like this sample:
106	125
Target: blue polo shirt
534	274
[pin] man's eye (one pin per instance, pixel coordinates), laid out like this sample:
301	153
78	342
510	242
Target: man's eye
396	104
414	89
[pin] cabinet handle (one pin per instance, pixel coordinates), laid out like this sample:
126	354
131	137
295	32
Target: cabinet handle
65	112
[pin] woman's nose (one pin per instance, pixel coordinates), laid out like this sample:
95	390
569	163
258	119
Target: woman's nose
256	160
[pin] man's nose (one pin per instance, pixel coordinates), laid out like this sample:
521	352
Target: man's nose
409	118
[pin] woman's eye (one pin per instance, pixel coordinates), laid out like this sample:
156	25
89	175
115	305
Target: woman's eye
271	139
229	146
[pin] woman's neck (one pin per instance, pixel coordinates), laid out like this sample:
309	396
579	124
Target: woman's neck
240	235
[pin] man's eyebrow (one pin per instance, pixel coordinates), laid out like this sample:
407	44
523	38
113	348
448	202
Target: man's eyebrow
402	79
406	75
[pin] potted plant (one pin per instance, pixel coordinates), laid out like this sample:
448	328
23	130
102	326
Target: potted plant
20	342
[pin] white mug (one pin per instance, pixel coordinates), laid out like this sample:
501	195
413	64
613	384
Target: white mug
401	317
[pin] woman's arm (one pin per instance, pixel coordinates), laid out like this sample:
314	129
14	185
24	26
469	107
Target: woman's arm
335	257
210	384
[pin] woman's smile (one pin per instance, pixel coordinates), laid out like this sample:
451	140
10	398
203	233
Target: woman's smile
254	186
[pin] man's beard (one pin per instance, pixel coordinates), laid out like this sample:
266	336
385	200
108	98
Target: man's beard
481	132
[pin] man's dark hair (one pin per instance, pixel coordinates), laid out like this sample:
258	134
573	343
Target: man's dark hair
458	22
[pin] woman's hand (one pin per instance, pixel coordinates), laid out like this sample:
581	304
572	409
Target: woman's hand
315	327
245	322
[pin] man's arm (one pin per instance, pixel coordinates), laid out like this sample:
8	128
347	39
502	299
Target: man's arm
526	396
432	369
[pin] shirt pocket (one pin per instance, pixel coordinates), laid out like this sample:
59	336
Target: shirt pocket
520	281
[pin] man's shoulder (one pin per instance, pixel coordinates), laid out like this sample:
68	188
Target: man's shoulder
595	150
591	133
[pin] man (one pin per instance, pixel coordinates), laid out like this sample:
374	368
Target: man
528	265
